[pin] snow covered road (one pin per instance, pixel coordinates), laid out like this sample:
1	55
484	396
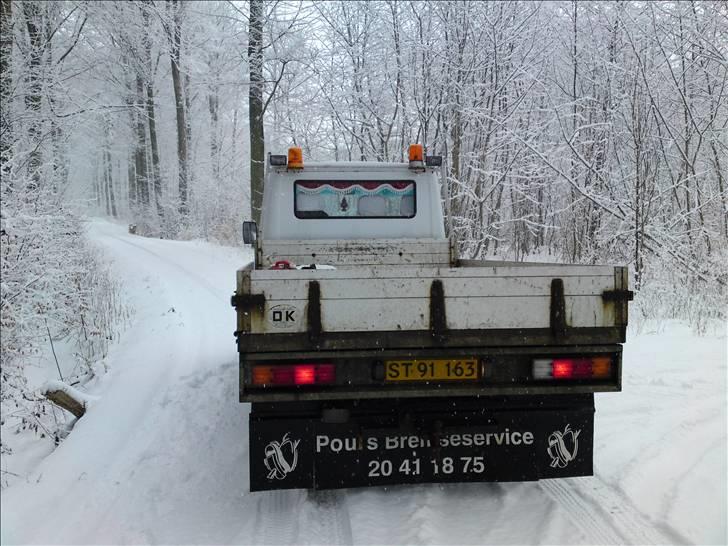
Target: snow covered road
162	456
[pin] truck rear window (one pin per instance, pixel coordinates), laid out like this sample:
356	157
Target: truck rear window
360	199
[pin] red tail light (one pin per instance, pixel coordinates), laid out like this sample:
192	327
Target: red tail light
561	368
283	375
598	367
325	374
292	375
572	368
304	375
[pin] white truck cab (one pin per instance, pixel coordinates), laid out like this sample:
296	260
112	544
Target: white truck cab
353	214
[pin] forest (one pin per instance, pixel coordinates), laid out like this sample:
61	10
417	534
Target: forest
580	132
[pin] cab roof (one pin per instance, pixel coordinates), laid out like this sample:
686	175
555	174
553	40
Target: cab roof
352	166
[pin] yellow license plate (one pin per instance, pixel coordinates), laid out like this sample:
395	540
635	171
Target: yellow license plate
463	369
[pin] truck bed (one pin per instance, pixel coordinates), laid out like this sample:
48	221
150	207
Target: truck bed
550	302
502	315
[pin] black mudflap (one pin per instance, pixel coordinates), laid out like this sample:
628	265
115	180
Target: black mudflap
547	439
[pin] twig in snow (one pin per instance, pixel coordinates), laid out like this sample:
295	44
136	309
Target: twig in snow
54	351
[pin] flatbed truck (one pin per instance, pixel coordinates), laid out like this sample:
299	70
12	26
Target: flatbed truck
373	355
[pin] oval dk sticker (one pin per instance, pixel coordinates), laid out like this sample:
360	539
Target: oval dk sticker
283	316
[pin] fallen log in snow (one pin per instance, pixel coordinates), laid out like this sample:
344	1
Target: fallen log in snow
66	397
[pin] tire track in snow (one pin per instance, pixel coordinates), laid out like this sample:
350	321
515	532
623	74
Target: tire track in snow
640	527
692	426
586	516
301	517
282	517
328	519
423	516
215	291
135	450
605	515
669	501
277	516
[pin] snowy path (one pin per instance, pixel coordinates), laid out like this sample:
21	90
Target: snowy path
162	456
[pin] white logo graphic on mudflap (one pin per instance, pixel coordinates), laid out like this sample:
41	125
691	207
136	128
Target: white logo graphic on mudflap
281	457
563	447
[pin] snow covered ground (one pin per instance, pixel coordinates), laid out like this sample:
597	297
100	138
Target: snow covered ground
161	456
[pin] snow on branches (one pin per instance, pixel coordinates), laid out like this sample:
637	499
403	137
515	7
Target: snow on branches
54	287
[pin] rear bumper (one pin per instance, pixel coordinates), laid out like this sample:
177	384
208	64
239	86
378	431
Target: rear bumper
424	339
386	442
505	371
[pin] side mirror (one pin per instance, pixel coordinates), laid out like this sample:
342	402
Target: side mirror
250	233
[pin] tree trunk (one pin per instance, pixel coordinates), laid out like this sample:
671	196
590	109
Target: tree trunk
176	39
109	176
213	102
576	220
102	176
255	107
234	144
97	191
187	94
132	194
140	154
6	80
151	118
131	180
156	177
33	97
